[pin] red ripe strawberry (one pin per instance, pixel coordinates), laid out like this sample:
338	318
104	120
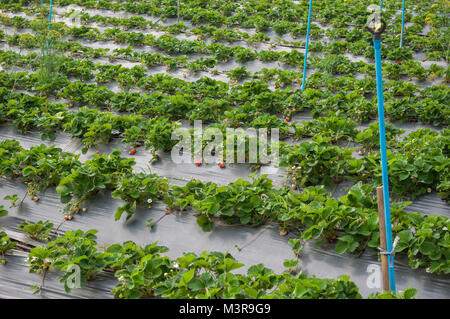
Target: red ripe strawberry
198	163
277	86
66	217
70	40
399	62
221	165
132	152
287	119
97	152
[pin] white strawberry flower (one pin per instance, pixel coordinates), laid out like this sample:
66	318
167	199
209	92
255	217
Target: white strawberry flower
149	201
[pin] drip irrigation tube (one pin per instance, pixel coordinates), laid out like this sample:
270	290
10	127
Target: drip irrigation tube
384	167
306	48
49	23
403	23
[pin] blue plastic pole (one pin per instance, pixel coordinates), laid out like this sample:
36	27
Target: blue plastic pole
306	48
49	22
381	5
384	166
403	23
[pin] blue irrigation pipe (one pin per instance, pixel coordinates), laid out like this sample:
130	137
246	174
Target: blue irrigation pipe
305	63
381	5
384	166
49	22
403	23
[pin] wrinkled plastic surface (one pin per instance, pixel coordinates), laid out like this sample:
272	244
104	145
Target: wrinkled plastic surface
180	232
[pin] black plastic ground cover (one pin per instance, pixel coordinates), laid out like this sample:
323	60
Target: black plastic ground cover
180	232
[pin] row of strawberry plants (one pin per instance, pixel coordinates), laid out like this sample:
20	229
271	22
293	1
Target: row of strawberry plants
165	43
307	162
337	13
401	101
92	126
85	70
413	171
350	221
140	23
334	64
6	245
42	167
400	97
351	45
95	127
331	64
219	52
429	43
428	109
144	272
182	105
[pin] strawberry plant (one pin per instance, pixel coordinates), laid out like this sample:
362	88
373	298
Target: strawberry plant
6	246
102	172
426	240
402	88
334	127
403	108
336	64
139	189
42	166
39	231
238	73
370	137
144	272
433	112
13	198
316	163
408	293
75	248
3	211
155	134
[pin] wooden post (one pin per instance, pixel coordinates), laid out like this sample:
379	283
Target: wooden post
383	245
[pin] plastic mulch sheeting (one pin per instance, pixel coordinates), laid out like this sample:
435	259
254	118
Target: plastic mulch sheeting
180	232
